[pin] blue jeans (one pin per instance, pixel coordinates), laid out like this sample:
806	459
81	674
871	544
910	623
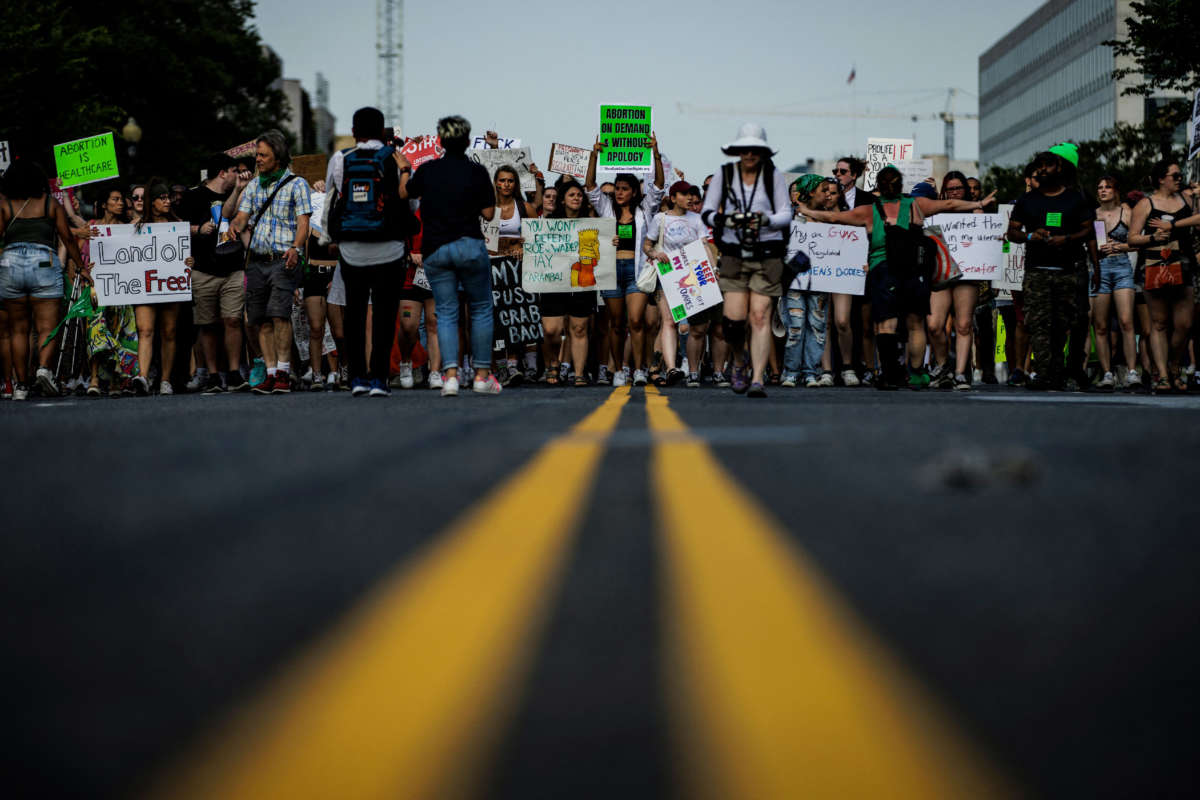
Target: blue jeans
30	270
464	260
805	319
1116	272
626	280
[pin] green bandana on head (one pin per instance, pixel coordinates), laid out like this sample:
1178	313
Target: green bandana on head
266	180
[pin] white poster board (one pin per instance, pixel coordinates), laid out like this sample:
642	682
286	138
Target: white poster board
976	241
491	232
1194	147
914	170
1012	275
569	255
141	267
480	143
689	281
5	157
567	159
838	254
516	157
880	153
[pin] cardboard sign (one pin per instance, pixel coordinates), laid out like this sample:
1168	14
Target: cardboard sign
838	255
491	232
880	153
569	255
517	318
566	159
88	160
422	149
623	132
1194	148
311	167
243	150
518	157
1012	274
976	241
914	170
480	143
5	158
132	267
689	281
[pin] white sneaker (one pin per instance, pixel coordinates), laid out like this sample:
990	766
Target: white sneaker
620	378
404	379
20	391
1107	382
685	367
198	381
166	388
812	382
826	380
1134	378
450	387
639	377
849	378
332	381
435	380
45	382
488	385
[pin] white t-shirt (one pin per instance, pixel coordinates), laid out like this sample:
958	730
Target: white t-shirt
679	230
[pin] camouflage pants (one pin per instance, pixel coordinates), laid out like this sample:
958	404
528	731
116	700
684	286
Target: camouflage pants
1052	307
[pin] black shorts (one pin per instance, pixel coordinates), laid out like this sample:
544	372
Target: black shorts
567	304
410	291
708	315
893	296
316	280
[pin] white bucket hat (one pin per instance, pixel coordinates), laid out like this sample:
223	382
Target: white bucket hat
750	134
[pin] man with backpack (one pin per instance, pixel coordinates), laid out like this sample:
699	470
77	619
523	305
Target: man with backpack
369	221
749	210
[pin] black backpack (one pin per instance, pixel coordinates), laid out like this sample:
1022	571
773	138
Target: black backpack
909	251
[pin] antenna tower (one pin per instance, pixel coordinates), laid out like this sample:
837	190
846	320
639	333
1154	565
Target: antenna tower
389	46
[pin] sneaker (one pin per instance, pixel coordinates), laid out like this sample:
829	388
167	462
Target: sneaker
359	387
450	387
531	375
258	375
639	377
20	391
756	390
1134	378
45	383
739	383
989	377
812	382
940	377
1017	378
826	381
514	377
234	382
619	378
722	380
602	376
693	380
627	373
1107	383
850	378
165	388
789	380
344	374
404	378
920	379
564	371
333	381
488	385
961	384
140	386
283	383
316	383
307	377
7	392
436	381
198	382
213	385
379	388
868	378
674	377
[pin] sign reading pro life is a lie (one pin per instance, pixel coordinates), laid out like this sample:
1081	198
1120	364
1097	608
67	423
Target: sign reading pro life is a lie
132	267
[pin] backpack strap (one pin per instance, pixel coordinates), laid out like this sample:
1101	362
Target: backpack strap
271	200
768	178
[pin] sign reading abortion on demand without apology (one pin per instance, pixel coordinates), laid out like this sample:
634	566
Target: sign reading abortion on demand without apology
140	267
569	255
976	241
623	132
86	160
837	254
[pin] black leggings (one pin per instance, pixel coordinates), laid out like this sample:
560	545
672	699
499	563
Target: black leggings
381	284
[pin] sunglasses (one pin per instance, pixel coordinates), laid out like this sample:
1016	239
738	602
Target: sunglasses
954	188
842	171
1175	175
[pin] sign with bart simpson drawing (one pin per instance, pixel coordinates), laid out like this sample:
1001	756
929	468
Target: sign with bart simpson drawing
569	255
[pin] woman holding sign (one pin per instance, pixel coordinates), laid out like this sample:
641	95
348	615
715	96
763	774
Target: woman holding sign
632	211
559	307
157	209
510	208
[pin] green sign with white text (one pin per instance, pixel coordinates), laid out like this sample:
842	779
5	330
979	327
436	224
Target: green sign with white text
86	160
623	132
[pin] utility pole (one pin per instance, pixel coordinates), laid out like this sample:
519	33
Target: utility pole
389	47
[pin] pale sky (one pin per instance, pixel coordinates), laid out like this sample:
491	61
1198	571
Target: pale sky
538	70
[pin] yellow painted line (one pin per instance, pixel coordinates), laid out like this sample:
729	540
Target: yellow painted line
777	691
407	694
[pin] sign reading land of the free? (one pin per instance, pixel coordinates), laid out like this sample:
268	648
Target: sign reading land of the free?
86	160
623	132
976	241
132	267
837	255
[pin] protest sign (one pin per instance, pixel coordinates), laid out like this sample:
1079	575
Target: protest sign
568	160
480	143
422	149
518	157
914	171
880	153
517	318
5	158
837	253
141	267
315	221
623	132
310	167
569	255
246	149
1194	149
688	281
976	242
491	232
87	160
1101	232
1012	274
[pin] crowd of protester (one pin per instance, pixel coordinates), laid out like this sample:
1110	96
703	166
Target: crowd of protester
391	287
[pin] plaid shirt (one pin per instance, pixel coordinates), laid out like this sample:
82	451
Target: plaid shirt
276	231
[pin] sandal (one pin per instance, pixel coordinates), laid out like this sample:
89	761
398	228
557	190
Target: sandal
1180	385
1162	386
580	380
93	390
658	379
552	376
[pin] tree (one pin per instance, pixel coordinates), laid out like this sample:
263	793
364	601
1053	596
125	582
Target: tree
1162	44
193	74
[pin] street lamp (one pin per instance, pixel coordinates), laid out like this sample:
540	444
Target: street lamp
132	133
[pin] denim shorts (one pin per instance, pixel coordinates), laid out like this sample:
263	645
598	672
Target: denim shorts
30	270
1116	272
626	279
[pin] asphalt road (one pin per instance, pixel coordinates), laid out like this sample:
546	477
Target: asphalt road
1027	561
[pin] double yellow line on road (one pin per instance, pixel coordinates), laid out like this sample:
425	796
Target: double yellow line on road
776	691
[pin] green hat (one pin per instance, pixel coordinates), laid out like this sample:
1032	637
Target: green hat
1068	151
806	183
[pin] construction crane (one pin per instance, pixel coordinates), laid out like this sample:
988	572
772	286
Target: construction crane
389	48
948	115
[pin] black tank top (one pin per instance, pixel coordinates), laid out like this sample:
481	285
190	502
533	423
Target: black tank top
1176	249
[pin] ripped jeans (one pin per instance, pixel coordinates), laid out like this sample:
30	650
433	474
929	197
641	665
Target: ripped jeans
805	317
